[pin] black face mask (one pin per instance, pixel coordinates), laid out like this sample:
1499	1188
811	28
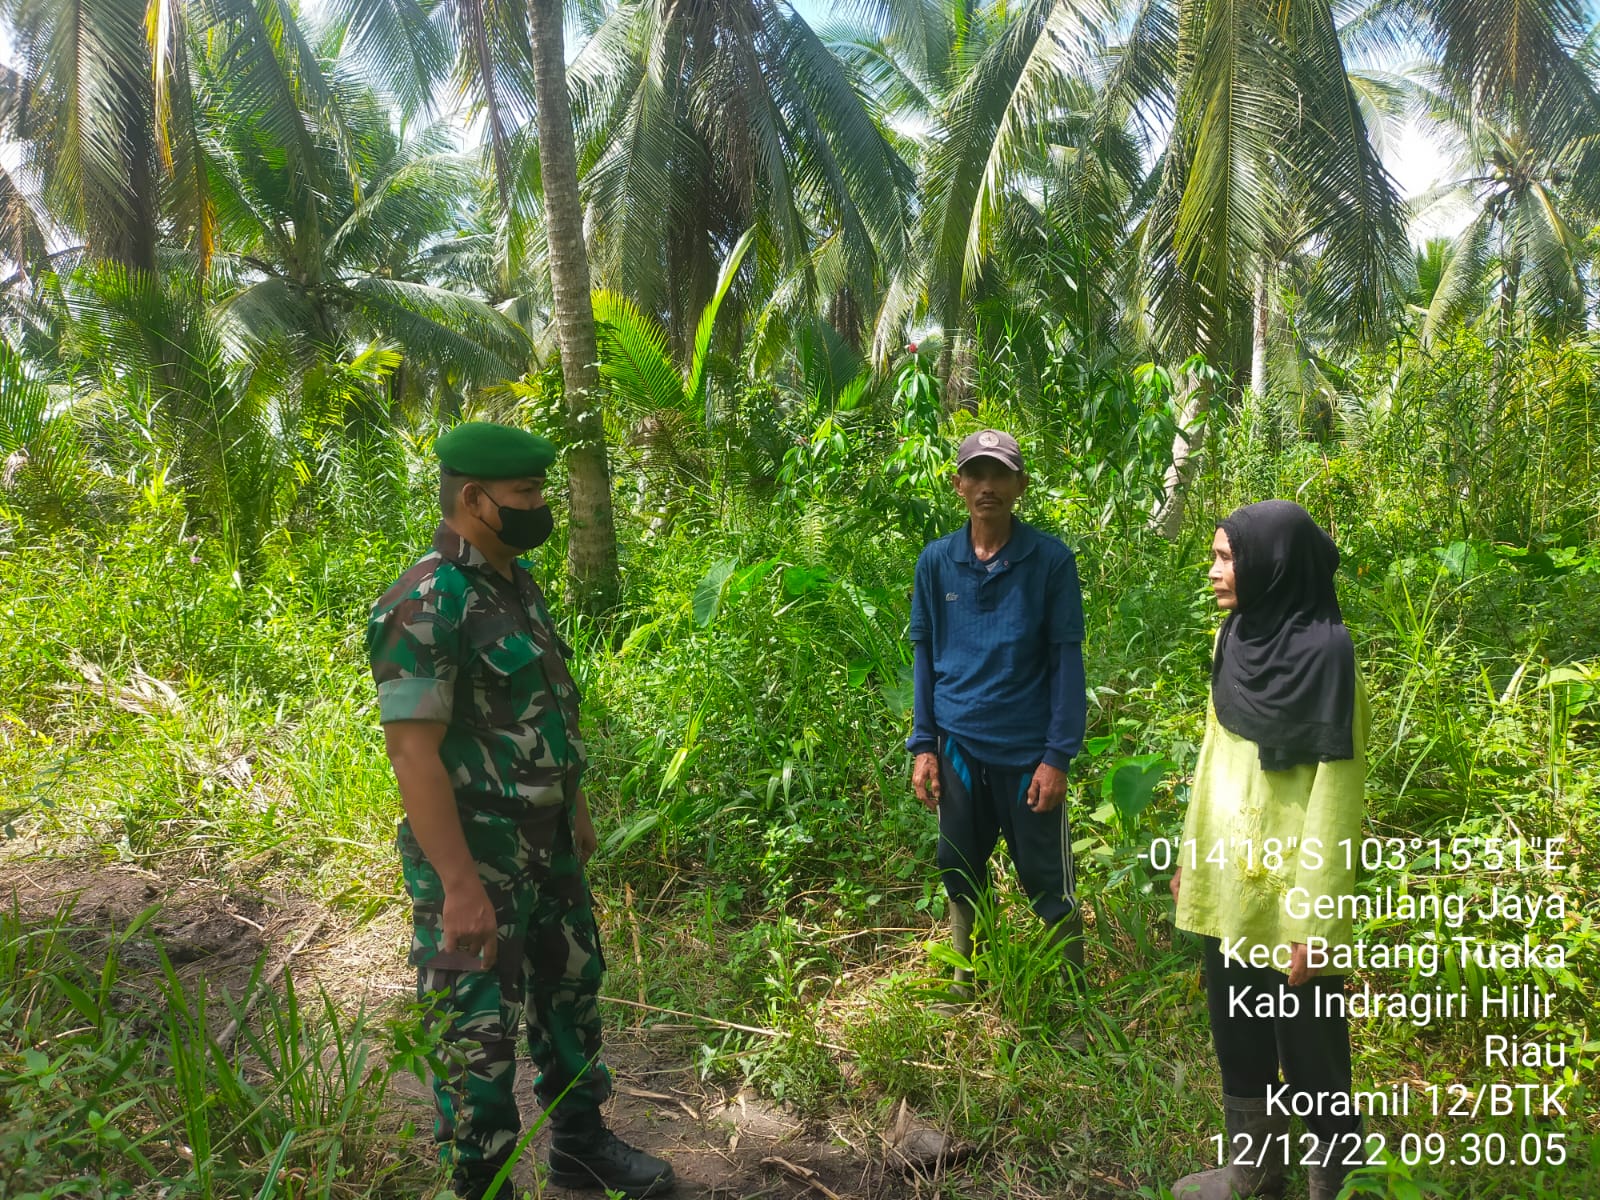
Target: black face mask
525	528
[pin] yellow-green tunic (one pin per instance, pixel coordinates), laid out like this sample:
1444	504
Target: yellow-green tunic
1236	810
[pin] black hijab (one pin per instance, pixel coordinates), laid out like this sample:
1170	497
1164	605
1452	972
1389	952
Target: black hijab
1284	672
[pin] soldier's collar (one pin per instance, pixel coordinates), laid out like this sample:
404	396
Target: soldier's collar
452	547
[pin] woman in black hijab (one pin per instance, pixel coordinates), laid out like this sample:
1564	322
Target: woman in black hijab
1278	785
1284	671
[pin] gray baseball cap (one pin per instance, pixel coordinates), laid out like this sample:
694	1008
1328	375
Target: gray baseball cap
990	443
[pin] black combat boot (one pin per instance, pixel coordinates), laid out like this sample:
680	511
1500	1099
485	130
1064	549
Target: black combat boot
471	1180
585	1154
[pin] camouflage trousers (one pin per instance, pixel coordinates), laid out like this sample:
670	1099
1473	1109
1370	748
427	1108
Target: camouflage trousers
547	975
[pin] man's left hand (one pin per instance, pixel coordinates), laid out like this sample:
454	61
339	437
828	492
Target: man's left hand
1048	789
583	835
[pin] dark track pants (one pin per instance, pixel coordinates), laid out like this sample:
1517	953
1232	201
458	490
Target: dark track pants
977	804
1313	1052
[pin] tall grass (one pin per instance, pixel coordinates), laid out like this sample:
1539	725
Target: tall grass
112	1079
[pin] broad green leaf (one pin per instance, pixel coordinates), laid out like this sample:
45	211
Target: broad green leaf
1131	784
802	581
898	695
695	392
747	579
709	591
626	835
1459	558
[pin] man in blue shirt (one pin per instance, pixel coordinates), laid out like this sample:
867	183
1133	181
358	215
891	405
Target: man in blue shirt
997	634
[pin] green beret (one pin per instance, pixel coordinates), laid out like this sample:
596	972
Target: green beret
484	450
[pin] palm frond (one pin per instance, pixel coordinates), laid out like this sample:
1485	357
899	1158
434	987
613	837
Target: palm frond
1558	257
37	441
418	197
695	392
881	71
636	189
399	44
634	358
86	121
921	31
25	229
1460	289
989	124
1350	206
1220	199
442	328
1522	56
867	182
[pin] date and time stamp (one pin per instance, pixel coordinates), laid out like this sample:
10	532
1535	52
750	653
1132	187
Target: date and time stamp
1469	1148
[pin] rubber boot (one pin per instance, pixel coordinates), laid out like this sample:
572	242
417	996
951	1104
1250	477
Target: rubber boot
585	1154
1256	1166
962	919
1328	1165
1068	934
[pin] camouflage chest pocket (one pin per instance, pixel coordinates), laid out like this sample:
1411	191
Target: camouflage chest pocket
509	676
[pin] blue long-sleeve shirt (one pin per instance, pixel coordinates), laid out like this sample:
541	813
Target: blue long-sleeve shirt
1068	708
998	650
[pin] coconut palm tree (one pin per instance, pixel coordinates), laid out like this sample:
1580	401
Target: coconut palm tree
1269	151
1532	60
702	120
306	243
106	110
510	58
1264	150
331	269
1012	124
592	538
1028	186
1525	250
1246	182
83	109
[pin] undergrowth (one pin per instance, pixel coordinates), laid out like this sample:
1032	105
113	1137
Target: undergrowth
745	714
120	1078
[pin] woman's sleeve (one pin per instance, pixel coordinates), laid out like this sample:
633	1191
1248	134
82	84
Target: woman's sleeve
1335	811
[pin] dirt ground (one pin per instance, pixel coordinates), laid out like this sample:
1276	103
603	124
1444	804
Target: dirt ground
721	1144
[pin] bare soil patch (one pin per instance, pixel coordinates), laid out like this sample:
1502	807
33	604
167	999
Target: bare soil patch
721	1143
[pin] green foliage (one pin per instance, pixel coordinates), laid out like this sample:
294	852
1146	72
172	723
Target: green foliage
745	714
636	361
247	296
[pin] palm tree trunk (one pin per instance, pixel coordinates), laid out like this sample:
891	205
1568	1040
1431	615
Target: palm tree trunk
136	240
1167	517
1260	330
592	540
1504	350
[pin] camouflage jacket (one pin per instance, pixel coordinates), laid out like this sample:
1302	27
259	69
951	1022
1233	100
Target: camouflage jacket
455	641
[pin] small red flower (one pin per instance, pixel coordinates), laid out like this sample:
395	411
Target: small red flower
911	347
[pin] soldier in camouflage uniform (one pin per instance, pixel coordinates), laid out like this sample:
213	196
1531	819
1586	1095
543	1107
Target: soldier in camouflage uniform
480	718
